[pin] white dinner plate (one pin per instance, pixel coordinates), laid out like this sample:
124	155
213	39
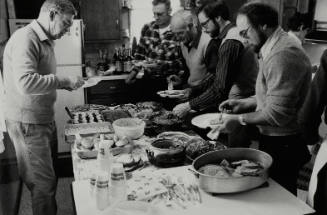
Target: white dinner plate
203	121
91	82
171	93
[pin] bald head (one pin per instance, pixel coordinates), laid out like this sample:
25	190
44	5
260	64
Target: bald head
62	6
183	19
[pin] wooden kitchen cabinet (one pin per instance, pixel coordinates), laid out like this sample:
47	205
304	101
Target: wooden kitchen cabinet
102	19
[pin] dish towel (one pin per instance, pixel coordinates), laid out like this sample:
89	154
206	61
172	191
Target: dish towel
2	119
320	161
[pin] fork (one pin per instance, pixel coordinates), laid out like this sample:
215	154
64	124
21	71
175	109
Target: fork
220	117
170	86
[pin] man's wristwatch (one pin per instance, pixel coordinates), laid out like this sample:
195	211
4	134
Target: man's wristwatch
241	119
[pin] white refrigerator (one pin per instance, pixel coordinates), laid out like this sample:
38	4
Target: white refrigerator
68	51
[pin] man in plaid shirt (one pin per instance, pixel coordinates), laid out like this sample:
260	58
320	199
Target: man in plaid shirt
157	43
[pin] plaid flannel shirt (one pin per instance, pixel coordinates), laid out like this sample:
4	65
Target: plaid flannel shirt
164	49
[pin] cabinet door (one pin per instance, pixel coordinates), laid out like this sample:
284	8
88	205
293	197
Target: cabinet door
102	19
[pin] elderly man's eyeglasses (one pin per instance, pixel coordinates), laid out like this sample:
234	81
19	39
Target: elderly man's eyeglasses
205	23
244	33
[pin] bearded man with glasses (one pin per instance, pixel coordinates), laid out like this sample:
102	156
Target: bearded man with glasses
283	82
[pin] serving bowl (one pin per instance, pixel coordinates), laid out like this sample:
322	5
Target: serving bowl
166	153
161	146
215	184
132	128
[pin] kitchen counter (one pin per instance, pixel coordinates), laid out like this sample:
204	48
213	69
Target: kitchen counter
117	77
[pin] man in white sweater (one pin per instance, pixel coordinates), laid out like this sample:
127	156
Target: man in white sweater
30	84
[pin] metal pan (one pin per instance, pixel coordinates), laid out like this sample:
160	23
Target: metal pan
214	184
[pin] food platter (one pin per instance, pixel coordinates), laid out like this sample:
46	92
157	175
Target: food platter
171	93
166	118
87	107
198	146
142	110
208	120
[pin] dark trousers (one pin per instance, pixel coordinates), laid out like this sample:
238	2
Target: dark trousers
289	154
320	198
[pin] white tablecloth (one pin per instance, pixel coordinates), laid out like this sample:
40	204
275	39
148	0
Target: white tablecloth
271	200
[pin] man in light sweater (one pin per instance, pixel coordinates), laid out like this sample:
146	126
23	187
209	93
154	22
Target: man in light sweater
283	81
30	84
198	49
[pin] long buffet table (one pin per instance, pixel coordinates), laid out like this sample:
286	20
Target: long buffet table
271	199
